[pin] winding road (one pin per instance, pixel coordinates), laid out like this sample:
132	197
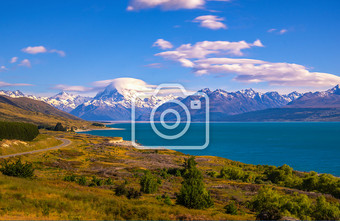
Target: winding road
65	143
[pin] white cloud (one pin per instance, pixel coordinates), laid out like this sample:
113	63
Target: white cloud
282	31
205	48
124	83
25	63
246	70
61	53
163	44
14	59
5	84
118	83
211	21
64	87
135	5
34	50
3	68
254	71
277	31
154	65
42	49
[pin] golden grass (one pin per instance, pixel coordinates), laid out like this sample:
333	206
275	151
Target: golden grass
42	141
48	197
12	113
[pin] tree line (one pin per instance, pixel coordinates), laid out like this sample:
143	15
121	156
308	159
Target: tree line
18	131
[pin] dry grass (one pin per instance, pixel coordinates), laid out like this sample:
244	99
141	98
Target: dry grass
47	196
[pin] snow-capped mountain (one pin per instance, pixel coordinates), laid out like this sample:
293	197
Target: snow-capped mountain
65	101
62	101
115	104
14	94
320	99
223	103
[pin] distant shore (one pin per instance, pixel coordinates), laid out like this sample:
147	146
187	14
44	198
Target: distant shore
105	128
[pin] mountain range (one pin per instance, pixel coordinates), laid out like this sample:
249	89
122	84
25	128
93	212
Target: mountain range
114	104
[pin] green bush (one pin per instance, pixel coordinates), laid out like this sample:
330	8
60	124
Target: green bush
121	190
167	200
149	183
231	208
96	182
108	181
18	131
272	204
98	125
59	127
193	193
82	181
17	169
70	178
326	211
133	194
236	173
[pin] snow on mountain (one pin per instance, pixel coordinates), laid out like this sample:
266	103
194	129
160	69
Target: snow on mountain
116	103
65	101
14	94
319	99
62	101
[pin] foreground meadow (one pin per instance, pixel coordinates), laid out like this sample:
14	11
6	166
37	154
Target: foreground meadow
99	178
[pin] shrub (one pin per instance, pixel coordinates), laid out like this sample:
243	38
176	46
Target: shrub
121	190
59	127
325	211
18	131
108	181
164	174
96	182
167	200
212	174
98	125
236	173
193	193
17	169
231	208
270	204
133	194
70	178
149	183
82	181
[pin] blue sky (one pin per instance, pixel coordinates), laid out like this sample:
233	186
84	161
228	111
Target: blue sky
76	43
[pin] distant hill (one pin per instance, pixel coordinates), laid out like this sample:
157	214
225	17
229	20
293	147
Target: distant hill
36	112
36	106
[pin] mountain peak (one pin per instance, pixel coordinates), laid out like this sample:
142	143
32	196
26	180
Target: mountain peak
335	89
205	90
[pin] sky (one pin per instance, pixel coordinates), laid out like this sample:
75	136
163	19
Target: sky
56	45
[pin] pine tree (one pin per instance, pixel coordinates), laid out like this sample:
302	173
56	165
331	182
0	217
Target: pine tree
193	193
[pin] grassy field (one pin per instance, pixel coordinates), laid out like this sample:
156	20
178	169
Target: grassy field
13	113
42	141
48	196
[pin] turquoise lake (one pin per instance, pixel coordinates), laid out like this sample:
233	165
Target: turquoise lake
303	146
